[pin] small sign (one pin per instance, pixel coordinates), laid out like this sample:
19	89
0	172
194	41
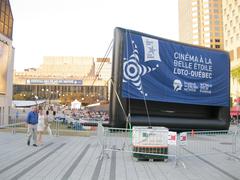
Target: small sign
145	137
172	138
183	139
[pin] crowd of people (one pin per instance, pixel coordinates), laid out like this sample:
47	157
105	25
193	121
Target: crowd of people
88	114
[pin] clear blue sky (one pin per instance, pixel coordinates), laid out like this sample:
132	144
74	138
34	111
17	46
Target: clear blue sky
83	27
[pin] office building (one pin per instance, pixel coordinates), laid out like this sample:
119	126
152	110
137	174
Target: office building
200	23
64	78
6	61
103	68
231	20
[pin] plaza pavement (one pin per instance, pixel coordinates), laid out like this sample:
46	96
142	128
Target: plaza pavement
71	157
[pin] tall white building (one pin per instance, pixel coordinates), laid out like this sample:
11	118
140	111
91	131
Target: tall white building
231	20
6	61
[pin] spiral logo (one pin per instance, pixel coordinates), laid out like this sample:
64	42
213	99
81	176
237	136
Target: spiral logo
132	72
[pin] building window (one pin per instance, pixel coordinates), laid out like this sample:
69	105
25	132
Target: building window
236	19
233	13
206	11
237	37
206	17
238	52
206	22
195	31
231	54
217	34
195	36
206	29
194	3
217	40
194	9
194	14
234	29
231	40
217	46
195	26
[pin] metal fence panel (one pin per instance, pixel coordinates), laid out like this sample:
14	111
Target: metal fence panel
154	147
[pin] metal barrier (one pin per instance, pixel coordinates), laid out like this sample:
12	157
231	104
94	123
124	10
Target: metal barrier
14	128
74	128
155	147
208	142
149	146
57	128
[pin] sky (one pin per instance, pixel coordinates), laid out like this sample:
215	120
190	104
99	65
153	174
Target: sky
83	27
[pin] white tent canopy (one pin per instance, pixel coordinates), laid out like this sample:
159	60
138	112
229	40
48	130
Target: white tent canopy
76	104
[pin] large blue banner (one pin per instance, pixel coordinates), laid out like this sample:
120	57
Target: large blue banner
162	70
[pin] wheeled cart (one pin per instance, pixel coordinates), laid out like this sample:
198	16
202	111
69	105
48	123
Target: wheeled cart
150	143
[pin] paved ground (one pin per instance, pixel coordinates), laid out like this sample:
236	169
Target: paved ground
78	158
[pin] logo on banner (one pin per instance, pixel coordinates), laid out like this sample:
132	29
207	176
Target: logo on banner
151	49
133	70
177	85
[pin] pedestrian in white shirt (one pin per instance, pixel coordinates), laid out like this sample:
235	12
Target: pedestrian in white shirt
41	126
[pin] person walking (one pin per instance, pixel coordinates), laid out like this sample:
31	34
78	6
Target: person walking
41	126
48	124
32	121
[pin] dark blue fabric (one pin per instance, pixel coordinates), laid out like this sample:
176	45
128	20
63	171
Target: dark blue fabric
162	70
32	118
